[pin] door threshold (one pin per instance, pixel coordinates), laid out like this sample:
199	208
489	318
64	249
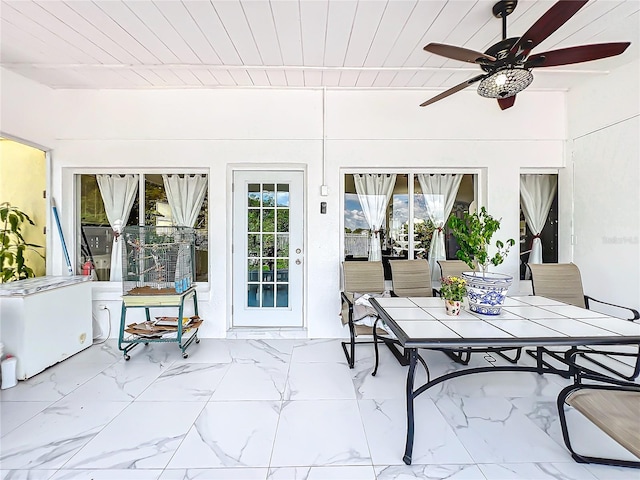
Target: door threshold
267	333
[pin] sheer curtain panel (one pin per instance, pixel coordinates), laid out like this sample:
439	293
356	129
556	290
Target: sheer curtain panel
440	191
118	194
185	196
374	192
536	196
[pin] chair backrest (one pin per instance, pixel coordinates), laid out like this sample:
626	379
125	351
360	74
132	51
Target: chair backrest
558	281
453	268
411	278
363	277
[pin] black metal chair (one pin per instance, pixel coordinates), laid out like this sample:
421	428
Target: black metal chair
562	282
359	278
411	278
614	409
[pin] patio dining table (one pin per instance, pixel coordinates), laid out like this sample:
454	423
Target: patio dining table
526	321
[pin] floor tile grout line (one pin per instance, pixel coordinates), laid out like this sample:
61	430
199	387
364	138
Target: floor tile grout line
282	405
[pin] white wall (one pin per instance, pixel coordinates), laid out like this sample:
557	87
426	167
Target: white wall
365	130
28	109
603	126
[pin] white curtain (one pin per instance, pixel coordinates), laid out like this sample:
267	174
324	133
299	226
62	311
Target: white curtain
118	194
374	192
439	195
185	196
536	196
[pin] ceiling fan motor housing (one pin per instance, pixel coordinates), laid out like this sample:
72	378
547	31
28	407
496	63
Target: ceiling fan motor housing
500	51
505	82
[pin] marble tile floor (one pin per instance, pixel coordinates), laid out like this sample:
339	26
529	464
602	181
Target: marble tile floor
278	409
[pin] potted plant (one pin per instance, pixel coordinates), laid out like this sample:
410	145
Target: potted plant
473	232
13	245
453	290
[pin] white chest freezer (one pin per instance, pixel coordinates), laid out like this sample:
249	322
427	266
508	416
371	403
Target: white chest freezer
45	320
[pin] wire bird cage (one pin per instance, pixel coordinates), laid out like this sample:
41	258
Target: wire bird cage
157	260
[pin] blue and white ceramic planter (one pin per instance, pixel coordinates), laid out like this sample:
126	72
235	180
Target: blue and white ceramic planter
486	292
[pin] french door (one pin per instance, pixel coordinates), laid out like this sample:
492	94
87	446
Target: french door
268	250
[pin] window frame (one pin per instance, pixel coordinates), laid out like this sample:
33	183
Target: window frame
141	172
479	188
541	171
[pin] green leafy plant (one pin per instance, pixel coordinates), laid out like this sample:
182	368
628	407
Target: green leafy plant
473	233
453	288
13	245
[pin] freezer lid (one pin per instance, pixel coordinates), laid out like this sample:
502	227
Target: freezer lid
21	288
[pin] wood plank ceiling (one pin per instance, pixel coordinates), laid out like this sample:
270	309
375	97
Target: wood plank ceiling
285	43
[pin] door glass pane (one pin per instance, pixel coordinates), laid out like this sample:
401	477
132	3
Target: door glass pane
283	246
252	270
282	270
282	297
268	195
267	294
268	253
254	194
283	195
268	220
253	245
252	295
267	270
253	220
283	220
268	247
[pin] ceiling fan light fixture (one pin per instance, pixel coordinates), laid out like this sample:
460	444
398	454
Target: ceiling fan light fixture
505	83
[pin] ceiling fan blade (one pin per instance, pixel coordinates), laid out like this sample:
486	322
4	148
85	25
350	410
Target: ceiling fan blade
458	53
506	102
583	53
453	90
548	23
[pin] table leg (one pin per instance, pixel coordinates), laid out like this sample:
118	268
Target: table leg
413	354
375	346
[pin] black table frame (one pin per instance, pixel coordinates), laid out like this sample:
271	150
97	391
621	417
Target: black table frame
411	346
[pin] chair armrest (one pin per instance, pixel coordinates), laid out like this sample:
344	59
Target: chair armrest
393	294
346	299
634	312
437	292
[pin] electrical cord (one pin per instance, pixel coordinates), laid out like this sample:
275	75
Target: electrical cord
108	333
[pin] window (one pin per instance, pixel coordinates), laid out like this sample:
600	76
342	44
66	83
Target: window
150	208
408	227
538	195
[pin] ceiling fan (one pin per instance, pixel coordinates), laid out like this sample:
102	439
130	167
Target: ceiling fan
508	63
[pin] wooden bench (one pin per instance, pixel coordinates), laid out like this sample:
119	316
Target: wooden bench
614	409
